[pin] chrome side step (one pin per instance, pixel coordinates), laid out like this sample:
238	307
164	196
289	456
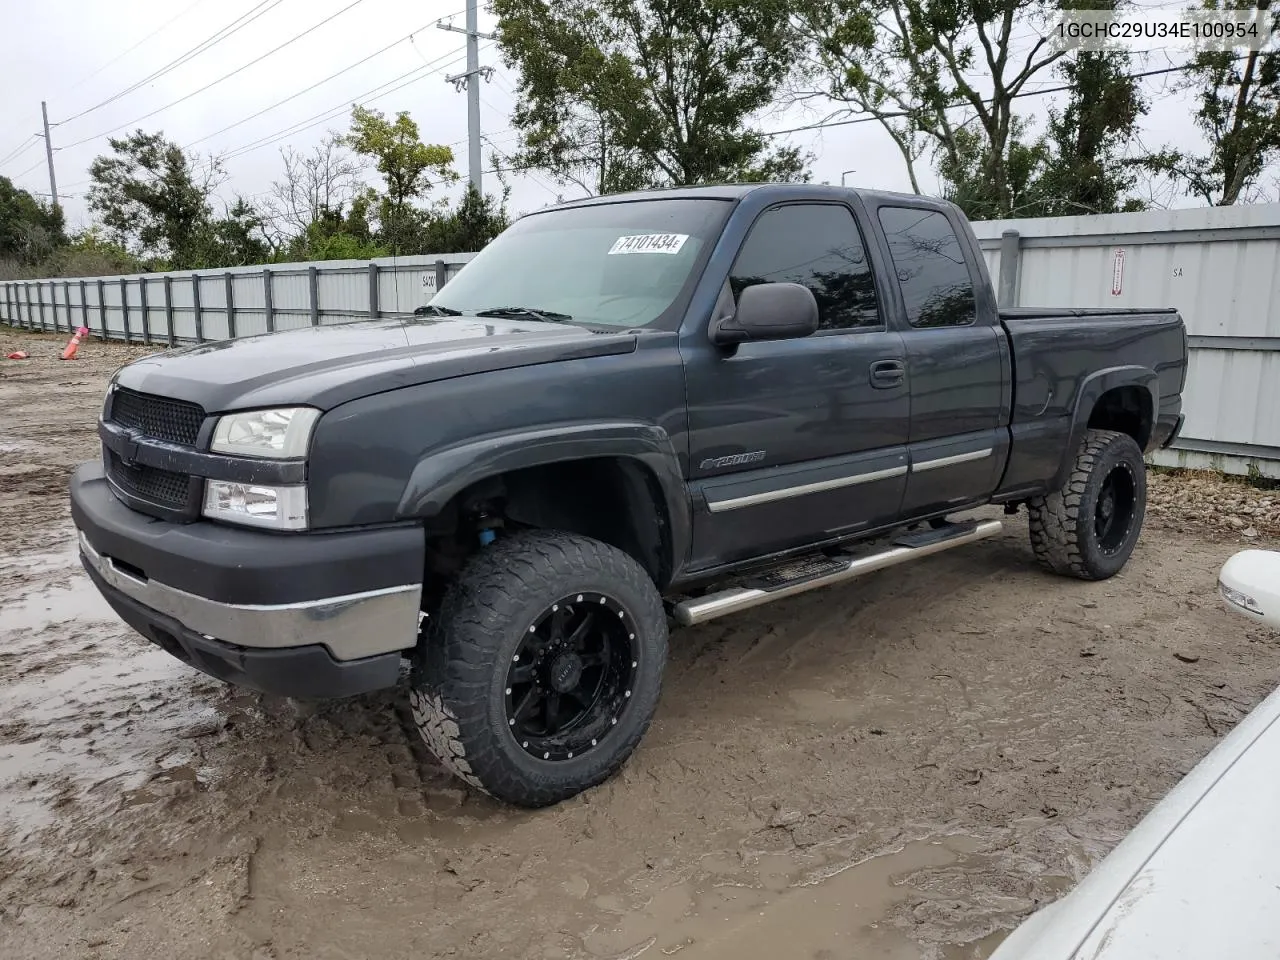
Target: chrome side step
811	573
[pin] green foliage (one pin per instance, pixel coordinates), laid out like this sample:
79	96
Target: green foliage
233	240
155	201
1086	170
91	254
409	169
1075	167
335	236
1238	111
30	229
621	94
964	170
472	224
150	197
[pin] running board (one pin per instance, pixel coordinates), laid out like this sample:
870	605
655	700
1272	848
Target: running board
820	571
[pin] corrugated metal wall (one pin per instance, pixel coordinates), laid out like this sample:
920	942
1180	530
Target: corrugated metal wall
192	306
1219	266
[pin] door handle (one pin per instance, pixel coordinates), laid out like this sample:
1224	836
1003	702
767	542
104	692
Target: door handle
888	373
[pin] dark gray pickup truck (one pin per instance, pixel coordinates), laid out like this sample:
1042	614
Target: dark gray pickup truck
624	411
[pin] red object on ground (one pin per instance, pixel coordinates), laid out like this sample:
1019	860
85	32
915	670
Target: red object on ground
18	355
74	344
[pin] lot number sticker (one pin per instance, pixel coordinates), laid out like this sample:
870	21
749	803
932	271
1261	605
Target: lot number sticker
649	243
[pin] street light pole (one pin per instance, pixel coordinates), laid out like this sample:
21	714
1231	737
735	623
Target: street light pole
843	175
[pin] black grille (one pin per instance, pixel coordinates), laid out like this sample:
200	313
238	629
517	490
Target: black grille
161	487
176	421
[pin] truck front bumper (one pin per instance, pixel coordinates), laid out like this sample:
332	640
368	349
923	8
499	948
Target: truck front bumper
302	615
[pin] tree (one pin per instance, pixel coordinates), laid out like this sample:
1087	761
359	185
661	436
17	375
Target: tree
908	63
89	254
1076	166
409	169
156	202
1087	171
152	197
468	227
1238	111
336	235
30	229
235	239
314	184
618	94
965	173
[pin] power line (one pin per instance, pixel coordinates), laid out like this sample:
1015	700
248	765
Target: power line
965	103
416	74
254	116
29	169
206	44
323	116
21	148
532	176
225	76
122	55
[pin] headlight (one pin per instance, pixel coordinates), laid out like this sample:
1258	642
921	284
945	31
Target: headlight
256	504
1239	599
279	434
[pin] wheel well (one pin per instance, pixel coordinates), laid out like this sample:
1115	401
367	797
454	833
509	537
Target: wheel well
612	499
1126	409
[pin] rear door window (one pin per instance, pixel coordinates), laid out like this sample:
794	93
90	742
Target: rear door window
936	285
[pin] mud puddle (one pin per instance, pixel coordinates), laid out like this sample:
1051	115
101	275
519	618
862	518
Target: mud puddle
75	680
74	601
836	910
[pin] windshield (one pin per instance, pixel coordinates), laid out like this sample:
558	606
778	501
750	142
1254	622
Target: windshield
615	264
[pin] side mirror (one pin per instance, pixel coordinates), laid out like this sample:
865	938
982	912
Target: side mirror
769	311
1249	584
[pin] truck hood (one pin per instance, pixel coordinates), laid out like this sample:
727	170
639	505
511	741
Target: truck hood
331	364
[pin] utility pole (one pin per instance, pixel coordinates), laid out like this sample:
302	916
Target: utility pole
48	152
472	78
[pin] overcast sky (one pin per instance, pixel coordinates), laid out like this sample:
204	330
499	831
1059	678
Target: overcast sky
76	54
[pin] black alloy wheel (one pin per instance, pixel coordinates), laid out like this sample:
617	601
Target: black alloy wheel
570	678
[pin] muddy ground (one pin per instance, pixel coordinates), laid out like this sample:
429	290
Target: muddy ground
901	768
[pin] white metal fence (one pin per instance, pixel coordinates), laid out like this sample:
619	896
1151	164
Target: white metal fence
200	305
1220	266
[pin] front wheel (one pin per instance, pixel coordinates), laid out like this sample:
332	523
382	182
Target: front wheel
1089	527
542	670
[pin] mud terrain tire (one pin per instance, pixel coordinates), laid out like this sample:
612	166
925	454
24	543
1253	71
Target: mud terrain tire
1089	528
566	623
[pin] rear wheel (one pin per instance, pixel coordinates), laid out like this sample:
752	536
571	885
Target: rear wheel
1089	528
541	672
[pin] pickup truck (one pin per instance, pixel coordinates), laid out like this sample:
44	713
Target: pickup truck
624	414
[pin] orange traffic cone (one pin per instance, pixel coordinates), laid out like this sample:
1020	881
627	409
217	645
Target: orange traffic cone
74	344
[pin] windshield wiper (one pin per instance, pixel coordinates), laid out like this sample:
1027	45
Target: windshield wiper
431	310
546	316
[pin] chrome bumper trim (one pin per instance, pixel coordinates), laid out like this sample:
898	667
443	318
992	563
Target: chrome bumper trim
350	627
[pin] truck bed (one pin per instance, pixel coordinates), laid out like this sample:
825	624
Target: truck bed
1060	354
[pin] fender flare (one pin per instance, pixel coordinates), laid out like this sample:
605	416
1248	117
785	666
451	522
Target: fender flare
1091	390
445	472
